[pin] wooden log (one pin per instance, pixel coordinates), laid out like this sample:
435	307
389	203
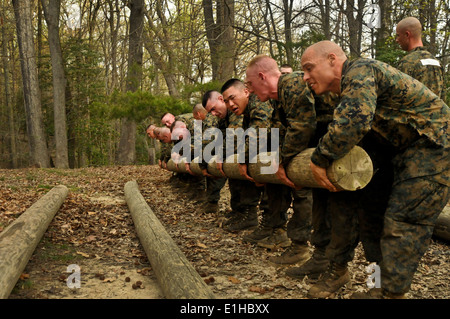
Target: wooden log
177	277
19	240
351	172
442	227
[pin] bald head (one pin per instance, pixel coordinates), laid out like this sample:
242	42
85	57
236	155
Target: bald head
323	49
322	66
409	33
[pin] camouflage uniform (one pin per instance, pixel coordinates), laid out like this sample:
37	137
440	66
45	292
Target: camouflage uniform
405	117
423	66
244	194
213	184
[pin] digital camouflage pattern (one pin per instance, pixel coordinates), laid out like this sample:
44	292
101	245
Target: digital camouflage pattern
257	115
165	152
295	110
399	109
409	125
424	67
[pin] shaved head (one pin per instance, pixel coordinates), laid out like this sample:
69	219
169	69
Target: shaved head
323	49
412	25
262	77
409	34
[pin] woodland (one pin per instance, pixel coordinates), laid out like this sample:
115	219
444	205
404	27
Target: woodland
81	80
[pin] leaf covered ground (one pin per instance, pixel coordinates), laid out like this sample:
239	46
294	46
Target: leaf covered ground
94	230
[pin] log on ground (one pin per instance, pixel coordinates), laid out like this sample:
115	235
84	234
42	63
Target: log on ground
175	274
19	240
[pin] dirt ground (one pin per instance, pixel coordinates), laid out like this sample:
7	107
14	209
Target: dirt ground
94	230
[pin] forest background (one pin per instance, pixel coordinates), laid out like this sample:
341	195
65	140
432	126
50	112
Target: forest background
81	80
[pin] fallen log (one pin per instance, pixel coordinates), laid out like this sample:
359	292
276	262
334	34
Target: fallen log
442	227
352	172
19	240
177	277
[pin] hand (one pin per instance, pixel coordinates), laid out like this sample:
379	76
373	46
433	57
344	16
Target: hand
160	163
281	175
219	166
188	168
320	174
243	172
207	174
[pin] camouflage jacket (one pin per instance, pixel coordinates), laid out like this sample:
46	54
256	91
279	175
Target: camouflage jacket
257	115
296	115
403	113
189	120
165	151
423	66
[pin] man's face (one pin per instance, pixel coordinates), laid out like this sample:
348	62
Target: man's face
217	107
402	39
285	70
256	83
167	120
318	73
236	99
151	131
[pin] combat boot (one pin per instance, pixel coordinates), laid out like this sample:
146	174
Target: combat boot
313	268
263	231
335	278
296	253
246	220
377	293
278	238
211	208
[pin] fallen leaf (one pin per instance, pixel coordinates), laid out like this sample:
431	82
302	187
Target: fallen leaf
83	254
234	280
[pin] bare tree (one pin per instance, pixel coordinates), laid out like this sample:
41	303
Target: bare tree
52	10
126	153
221	38
31	91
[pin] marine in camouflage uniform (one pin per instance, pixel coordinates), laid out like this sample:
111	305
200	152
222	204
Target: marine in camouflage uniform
304	117
424	67
213	184
405	117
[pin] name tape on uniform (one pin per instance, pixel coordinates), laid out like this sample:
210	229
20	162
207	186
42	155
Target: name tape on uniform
430	62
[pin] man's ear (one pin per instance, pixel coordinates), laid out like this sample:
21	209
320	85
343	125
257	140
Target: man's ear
332	58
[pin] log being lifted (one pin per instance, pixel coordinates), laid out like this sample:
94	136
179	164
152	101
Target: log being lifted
442	228
352	172
19	240
177	277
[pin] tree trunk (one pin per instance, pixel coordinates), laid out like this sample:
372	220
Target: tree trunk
31	91
177	277
8	101
51	12
220	38
126	153
19	240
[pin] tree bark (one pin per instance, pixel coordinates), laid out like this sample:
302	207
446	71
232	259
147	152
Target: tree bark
177	277
31	91
19	240
51	12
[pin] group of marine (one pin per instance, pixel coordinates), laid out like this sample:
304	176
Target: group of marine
396	114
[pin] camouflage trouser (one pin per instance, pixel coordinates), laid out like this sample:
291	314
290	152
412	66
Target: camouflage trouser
412	211
244	194
213	188
274	205
299	225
